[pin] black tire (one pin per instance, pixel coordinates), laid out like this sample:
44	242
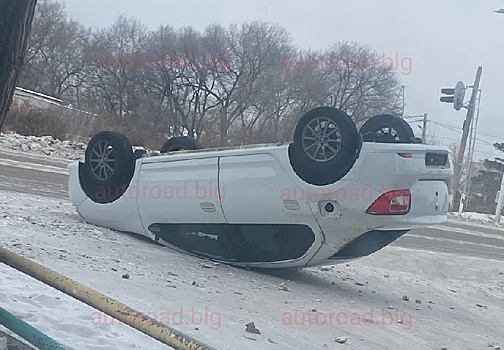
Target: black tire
180	143
108	168
386	128
337	143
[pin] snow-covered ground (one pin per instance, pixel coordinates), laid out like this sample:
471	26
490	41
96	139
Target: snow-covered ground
479	218
45	145
64	318
396	298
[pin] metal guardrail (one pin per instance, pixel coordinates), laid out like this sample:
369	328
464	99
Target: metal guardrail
28	333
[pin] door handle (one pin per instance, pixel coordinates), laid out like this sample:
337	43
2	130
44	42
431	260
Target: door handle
208	207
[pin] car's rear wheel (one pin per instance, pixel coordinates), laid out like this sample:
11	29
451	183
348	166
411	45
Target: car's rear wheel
326	146
180	143
108	168
387	128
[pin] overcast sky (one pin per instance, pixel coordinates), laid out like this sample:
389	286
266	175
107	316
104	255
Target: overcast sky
445	40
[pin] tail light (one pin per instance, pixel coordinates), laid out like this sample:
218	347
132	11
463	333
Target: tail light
397	202
405	154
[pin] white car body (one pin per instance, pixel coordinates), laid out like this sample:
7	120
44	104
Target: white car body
256	185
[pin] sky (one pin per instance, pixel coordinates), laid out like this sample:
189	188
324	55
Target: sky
445	41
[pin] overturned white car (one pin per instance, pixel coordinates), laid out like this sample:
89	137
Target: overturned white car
324	198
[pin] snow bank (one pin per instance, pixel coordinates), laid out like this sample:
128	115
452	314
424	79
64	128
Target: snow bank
45	145
480	218
48	146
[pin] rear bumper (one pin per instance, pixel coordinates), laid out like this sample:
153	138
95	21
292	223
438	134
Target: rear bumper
367	243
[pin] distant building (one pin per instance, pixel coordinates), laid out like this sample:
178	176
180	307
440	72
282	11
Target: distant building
27	98
23	97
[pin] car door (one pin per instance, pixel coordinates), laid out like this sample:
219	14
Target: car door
260	202
179	191
180	205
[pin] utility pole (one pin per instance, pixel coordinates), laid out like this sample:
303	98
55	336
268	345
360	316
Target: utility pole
16	17
424	129
470	155
465	133
500	202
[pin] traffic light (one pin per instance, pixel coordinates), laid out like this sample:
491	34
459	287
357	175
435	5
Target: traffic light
454	95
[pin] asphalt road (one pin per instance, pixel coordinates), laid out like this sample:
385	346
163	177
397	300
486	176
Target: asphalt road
21	172
46	176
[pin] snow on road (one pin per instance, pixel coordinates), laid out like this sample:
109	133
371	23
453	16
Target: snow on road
396	298
64	318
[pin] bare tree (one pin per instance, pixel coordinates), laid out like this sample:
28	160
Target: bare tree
239	62
120	50
58	53
357	81
242	84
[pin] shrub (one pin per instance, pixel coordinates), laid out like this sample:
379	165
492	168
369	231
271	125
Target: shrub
68	124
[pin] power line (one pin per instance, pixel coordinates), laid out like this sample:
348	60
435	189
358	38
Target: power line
488	154
455	128
459	131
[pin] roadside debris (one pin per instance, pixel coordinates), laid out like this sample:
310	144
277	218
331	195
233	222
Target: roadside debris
251	328
283	287
206	266
341	340
250	337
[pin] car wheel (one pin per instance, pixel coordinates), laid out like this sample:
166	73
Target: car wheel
108	168
180	143
386	128
326	146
